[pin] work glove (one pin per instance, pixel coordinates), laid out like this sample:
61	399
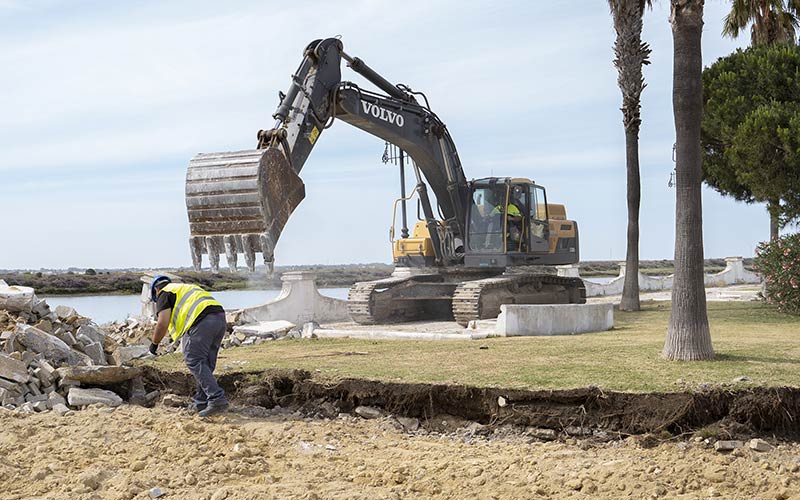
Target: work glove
153	349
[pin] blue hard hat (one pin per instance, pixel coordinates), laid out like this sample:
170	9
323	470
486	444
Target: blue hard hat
158	279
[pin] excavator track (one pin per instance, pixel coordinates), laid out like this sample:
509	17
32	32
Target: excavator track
481	299
365	305
456	296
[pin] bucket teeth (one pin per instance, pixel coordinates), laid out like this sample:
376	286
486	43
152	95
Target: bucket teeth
249	250
196	245
213	248
267	247
230	252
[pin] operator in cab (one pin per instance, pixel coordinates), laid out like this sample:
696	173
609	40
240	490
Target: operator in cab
191	314
514	220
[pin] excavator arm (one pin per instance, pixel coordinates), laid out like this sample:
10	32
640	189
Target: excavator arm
240	201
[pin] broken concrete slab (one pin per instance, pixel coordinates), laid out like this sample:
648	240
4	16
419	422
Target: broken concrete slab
368	412
35	398
99	375
759	445
45	326
728	445
13	369
95	351
64	335
28	357
409	424
54	399
10	385
40	307
42	376
123	355
83	397
51	347
264	329
97	334
47	369
64	312
61	409
16	298
174	401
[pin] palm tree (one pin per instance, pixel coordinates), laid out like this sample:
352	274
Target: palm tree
774	21
630	55
688	335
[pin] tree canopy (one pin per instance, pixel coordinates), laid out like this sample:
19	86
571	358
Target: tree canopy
751	127
773	21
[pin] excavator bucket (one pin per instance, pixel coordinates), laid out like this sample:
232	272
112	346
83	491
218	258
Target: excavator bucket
238	202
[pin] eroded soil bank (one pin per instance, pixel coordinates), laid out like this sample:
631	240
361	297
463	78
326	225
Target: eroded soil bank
755	411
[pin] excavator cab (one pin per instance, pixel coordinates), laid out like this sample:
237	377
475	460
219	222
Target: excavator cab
508	225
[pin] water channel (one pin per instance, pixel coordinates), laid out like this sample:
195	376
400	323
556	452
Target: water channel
106	308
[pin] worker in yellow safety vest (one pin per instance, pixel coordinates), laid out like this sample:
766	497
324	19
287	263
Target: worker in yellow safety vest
511	210
191	314
514	222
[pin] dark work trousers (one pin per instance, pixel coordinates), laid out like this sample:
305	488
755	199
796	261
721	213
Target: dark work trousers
200	347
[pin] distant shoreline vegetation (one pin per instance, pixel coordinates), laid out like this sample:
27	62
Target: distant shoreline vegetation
102	281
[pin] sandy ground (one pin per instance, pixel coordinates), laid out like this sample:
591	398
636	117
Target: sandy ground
121	454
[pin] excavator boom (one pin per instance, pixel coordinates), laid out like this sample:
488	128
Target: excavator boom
239	202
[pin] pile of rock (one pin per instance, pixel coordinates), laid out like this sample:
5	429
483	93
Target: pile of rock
37	345
133	330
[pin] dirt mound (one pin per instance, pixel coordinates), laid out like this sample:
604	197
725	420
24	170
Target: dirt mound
754	411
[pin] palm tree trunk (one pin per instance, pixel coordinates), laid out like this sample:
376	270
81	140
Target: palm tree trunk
630	288
630	56
688	335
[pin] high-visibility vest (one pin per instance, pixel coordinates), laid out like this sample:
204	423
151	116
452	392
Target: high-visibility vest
190	301
511	210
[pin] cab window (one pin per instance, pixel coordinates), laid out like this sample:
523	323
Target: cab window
486	218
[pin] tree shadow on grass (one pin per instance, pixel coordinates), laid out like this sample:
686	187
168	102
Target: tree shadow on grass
755	359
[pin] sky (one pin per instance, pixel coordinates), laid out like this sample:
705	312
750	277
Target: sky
102	104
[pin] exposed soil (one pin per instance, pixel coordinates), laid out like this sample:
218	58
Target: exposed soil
293	435
252	453
734	413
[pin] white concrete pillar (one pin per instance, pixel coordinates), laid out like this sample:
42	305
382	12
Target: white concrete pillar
299	302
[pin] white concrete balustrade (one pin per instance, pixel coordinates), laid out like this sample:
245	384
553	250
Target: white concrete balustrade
733	274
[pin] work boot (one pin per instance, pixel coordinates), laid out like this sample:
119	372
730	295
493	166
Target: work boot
213	409
196	407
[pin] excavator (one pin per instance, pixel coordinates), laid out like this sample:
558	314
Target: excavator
484	246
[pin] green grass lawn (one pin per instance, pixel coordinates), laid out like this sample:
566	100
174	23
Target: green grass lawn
750	339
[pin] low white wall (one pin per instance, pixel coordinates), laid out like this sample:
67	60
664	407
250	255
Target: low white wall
553	319
733	274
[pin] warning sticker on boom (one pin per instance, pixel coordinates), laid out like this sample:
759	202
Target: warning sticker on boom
312	136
